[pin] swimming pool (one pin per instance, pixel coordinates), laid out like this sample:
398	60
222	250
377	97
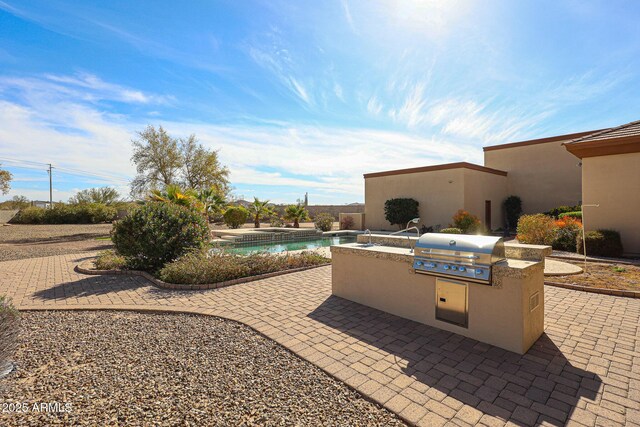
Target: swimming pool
289	246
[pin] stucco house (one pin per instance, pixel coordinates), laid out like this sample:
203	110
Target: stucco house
596	167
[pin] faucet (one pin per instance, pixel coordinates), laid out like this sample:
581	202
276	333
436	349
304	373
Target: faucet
413	221
365	233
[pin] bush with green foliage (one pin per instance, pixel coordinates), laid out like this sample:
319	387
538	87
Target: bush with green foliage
198	267
85	213
606	243
347	223
538	229
110	260
451	230
157	233
30	215
400	211
324	221
235	216
276	221
512	206
466	222
568	231
9	331
555	212
576	215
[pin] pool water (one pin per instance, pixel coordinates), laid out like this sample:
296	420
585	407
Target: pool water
290	246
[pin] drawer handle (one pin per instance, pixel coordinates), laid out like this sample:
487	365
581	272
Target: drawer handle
443	300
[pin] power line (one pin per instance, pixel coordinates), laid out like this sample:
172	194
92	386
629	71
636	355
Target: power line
68	171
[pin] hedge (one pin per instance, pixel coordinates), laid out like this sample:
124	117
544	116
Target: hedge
606	243
84	213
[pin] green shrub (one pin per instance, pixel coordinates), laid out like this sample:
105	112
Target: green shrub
513	209
30	215
400	211
606	243
568	230
276	221
576	215
347	223
466	222
9	330
324	221
110	260
198	267
536	229
84	213
157	233
555	212
451	230
235	216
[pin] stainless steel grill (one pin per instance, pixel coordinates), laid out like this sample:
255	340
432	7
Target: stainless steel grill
461	256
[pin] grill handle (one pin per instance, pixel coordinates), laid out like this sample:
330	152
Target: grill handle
454	255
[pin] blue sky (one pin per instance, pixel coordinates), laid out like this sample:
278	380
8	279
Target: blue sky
303	96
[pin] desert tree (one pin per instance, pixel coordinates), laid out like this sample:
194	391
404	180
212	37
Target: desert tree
201	168
162	160
104	195
157	158
5	180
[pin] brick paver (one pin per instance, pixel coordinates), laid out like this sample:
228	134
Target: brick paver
585	369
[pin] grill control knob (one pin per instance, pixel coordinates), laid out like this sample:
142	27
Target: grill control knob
462	268
478	271
454	268
446	267
418	263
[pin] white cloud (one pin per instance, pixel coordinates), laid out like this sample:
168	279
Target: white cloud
80	87
327	161
374	106
412	112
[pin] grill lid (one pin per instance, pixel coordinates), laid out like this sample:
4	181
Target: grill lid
489	248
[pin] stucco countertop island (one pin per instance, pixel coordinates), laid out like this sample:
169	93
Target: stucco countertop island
508	314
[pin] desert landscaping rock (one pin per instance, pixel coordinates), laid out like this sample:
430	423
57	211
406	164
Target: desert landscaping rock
171	369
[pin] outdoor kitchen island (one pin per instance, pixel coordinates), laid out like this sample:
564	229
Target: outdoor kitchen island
506	311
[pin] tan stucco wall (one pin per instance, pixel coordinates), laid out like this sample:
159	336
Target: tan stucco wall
613	182
543	175
482	186
358	220
440	194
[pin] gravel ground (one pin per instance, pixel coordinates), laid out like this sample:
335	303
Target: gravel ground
601	275
170	369
31	241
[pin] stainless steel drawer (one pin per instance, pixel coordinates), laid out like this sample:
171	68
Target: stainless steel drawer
451	301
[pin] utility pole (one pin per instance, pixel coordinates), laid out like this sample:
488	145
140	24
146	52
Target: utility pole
50	186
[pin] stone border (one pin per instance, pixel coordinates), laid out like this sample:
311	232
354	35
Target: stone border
81	268
612	292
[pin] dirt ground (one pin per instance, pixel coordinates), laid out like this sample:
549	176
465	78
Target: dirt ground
607	276
31	241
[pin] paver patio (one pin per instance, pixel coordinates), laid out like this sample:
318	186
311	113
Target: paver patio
585	370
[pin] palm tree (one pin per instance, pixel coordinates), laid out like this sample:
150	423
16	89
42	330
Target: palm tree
174	194
259	209
212	202
296	213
